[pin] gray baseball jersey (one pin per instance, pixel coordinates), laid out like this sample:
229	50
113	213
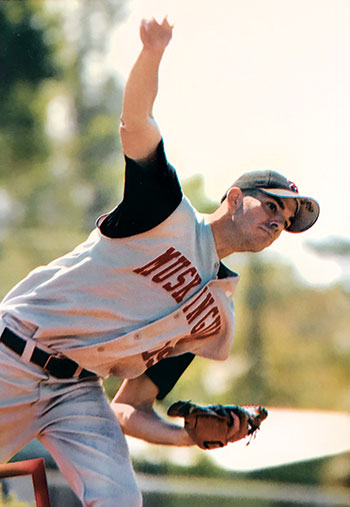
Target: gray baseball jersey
141	288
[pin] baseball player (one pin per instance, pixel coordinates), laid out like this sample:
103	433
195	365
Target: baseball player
143	295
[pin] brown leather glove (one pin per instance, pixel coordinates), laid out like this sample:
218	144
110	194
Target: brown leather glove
210	427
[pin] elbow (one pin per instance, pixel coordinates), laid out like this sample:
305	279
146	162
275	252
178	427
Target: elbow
139	138
135	123
122	411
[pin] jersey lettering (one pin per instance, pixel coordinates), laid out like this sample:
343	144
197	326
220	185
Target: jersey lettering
195	300
198	328
154	356
161	270
180	279
167	256
209	300
202	313
163	275
179	295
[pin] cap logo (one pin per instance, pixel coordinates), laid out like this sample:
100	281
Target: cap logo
308	205
293	186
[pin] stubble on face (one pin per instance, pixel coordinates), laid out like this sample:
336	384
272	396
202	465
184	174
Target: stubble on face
261	220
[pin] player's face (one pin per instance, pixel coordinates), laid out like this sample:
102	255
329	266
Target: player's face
262	219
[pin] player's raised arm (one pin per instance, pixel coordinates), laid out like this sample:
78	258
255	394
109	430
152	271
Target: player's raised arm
140	134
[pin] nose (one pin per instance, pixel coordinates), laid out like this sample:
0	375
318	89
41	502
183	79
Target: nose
277	224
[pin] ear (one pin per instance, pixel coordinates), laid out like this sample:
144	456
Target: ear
234	198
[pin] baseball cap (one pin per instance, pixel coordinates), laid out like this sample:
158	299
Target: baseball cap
275	184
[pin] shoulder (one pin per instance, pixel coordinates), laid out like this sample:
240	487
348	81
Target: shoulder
152	192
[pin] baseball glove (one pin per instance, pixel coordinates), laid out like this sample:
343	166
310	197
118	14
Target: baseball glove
210	427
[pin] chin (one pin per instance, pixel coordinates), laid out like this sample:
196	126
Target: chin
259	248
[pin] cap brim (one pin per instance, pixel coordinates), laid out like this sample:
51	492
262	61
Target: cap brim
308	210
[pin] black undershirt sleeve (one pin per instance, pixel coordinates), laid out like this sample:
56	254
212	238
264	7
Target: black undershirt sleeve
167	372
151	193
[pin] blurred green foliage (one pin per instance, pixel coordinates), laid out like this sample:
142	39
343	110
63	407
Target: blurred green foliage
332	247
183	500
26	62
60	159
13	501
330	471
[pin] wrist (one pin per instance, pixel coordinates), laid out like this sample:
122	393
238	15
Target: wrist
153	51
183	438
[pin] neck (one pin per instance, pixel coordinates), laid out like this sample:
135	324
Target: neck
222	226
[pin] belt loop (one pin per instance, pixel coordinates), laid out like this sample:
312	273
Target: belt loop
28	350
2	326
78	371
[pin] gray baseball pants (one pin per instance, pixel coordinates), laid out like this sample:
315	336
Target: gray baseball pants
73	420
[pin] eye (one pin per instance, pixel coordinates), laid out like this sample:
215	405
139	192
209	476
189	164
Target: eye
272	205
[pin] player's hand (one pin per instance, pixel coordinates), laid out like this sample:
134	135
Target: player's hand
155	35
238	430
214	426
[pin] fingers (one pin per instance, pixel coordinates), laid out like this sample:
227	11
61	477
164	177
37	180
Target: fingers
155	35
239	429
152	24
166	23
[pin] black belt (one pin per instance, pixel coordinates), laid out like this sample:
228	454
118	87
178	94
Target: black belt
59	367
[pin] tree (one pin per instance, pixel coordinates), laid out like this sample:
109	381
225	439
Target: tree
54	186
95	109
336	248
26	63
193	188
255	299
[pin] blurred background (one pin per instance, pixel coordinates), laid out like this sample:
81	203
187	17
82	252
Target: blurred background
244	85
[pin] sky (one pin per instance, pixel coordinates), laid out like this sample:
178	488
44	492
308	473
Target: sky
256	84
